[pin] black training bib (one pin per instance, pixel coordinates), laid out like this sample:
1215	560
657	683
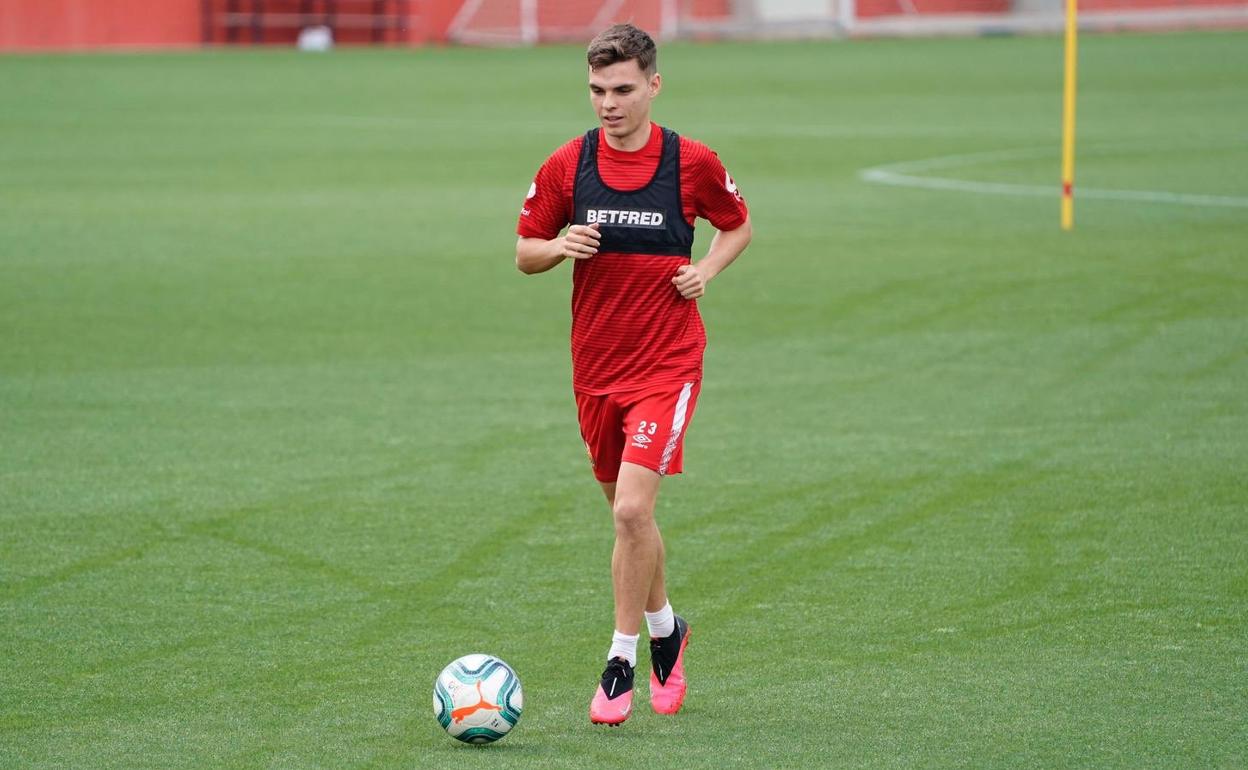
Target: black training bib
649	220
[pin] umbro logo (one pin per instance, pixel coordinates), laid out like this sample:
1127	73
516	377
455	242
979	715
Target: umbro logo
642	438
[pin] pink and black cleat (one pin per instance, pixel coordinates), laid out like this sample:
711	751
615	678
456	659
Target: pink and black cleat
667	669
613	700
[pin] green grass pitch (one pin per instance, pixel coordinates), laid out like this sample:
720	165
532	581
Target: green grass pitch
283	431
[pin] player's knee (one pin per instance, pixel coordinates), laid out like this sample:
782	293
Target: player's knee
632	516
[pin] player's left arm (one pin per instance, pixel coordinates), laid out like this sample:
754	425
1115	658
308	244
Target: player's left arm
726	246
717	200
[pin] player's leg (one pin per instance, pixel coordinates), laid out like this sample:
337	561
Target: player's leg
632	499
652	431
656	424
601	418
658	586
657	599
638	545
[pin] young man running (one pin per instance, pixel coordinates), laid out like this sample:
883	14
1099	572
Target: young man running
630	191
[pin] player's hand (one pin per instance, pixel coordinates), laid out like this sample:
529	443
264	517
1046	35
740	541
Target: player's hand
689	281
581	242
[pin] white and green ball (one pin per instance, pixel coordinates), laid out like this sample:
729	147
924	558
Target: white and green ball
477	698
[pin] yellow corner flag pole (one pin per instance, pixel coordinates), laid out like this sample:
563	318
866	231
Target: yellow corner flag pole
1068	117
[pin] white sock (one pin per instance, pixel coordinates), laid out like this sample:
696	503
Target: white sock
661	623
624	646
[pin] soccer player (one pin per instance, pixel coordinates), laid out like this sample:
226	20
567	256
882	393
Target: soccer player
630	191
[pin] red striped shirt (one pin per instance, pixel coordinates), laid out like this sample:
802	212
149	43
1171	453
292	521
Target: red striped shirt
631	329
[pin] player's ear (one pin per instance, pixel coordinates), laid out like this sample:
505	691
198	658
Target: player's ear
656	83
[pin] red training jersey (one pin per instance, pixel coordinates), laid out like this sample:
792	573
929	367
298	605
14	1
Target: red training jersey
631	329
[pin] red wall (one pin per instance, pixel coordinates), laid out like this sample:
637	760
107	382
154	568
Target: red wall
76	24
579	16
560	19
435	17
871	8
82	24
30	25
1142	5
290	15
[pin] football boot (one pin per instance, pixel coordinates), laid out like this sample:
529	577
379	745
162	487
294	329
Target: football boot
667	669
613	700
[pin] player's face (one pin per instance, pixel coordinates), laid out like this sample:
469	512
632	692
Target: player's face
621	94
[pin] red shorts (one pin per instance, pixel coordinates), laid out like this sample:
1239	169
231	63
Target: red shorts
643	427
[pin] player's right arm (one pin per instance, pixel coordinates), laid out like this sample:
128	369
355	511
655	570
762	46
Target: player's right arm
537	255
547	210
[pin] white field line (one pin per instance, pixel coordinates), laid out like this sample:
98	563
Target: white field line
903	175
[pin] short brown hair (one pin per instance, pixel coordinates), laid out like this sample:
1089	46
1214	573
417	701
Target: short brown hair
621	43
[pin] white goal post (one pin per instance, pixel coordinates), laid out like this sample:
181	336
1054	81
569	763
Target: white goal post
527	22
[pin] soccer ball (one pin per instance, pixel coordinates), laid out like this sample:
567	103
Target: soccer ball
477	698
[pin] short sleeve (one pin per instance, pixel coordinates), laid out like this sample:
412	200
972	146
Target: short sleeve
547	206
716	197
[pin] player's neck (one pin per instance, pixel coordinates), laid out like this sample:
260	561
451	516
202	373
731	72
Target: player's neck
633	142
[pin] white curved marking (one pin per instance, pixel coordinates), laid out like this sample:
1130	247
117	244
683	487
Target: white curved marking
901	175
